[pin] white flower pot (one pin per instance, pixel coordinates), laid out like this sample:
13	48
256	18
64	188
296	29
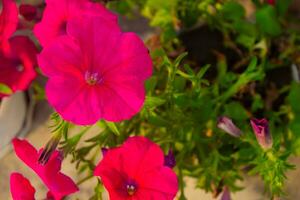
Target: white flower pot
15	119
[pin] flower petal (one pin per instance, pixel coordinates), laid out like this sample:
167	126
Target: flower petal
59	184
21	188
8	20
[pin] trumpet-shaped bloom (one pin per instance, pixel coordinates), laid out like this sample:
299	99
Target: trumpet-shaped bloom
8	21
96	72
226	194
17	65
136	170
58	184
261	130
58	12
228	126
20	187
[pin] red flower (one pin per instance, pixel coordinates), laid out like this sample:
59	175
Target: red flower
136	171
271	2
17	64
58	184
20	187
8	21
58	12
96	72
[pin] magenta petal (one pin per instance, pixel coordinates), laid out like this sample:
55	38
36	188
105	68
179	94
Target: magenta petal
59	12
163	180
17	65
61	58
146	156
20	187
137	162
98	73
8	20
81	104
129	55
59	184
122	100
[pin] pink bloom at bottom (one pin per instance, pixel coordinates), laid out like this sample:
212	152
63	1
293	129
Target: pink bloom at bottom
58	184
136	171
20	187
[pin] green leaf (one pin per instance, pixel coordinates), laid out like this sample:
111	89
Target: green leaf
179	83
294	98
236	111
233	11
179	59
245	40
245	27
282	6
202	71
151	84
4	89
267	21
112	126
152	102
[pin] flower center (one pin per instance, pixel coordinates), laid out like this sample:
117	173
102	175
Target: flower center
63	28
18	64
92	78
20	68
131	188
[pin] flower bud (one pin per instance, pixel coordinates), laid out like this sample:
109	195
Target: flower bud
170	160
104	151
271	2
261	129
228	126
49	149
226	194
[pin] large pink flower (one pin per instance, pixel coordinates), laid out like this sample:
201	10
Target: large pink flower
58	184
8	21
20	187
17	64
136	171
96	72
58	12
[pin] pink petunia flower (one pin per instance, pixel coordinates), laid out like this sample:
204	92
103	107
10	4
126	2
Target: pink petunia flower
21	188
136	171
17	64
58	184
96	72
58	12
8	21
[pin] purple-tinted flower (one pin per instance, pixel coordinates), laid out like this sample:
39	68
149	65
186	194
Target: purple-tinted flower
170	160
228	126
262	133
104	150
226	194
